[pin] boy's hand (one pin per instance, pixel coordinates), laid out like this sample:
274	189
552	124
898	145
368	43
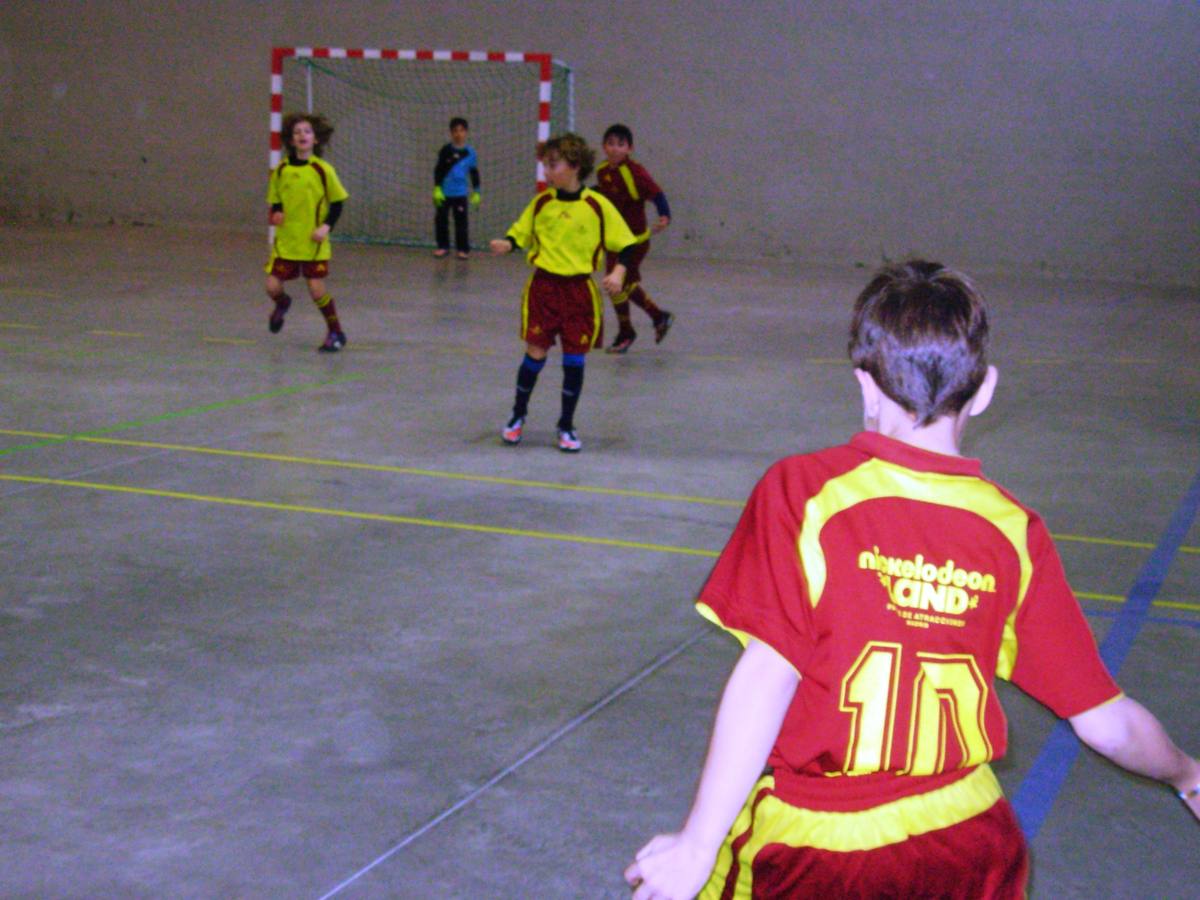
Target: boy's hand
500	246
661	224
320	233
670	867
439	196
276	217
475	199
613	280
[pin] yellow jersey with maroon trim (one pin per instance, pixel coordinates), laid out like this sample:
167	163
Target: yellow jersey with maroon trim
567	237
900	584
629	186
305	189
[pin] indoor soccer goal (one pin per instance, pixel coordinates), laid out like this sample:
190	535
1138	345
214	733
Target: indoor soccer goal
391	110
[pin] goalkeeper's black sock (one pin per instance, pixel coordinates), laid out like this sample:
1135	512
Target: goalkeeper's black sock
572	387
527	375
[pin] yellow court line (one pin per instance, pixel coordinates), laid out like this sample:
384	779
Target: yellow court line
21	326
712	358
1114	542
828	360
377	467
22	292
436	523
484	479
369	517
1114	598
215	340
117	333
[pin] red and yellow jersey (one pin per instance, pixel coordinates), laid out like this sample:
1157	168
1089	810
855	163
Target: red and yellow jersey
567	236
900	584
628	186
304	189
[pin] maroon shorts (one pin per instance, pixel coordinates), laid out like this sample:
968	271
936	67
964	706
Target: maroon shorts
633	271
566	307
287	269
778	850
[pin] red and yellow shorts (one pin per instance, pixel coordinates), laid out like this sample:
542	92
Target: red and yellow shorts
957	841
287	269
564	306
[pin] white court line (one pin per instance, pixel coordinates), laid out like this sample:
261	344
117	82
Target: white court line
544	744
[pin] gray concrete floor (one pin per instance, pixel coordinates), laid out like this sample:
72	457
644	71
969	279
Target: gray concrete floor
268	616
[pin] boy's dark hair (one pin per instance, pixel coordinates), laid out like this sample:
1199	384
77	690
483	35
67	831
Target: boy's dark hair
459	120
322	130
573	150
619	131
921	331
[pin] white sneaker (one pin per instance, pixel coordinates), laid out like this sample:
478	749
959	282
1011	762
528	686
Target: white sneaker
512	431
568	441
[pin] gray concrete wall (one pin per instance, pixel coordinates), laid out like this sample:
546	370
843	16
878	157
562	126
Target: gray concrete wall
1059	136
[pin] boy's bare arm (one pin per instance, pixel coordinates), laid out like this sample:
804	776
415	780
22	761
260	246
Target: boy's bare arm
752	708
1133	738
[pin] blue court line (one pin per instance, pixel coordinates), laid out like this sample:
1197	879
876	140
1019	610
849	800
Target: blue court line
1157	620
1046	777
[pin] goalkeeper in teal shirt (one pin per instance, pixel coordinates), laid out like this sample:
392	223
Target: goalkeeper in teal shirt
455	183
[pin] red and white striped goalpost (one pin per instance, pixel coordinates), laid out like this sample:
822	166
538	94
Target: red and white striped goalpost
543	61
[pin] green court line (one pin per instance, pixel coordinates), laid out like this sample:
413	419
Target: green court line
184	413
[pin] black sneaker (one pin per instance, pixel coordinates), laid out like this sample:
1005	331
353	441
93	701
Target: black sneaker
623	342
275	323
662	326
334	341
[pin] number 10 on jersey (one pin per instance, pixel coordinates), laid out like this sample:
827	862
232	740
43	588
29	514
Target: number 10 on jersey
948	698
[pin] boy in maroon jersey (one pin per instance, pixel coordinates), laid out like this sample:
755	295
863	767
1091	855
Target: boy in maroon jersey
879	588
628	185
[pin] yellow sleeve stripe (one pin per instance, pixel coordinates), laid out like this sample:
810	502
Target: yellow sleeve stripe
707	611
743	637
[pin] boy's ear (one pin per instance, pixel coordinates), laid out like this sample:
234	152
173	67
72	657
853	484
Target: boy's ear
870	397
987	390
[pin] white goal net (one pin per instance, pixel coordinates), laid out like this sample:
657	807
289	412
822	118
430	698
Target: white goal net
391	111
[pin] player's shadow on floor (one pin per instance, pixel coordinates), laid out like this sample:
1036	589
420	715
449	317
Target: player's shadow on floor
541	439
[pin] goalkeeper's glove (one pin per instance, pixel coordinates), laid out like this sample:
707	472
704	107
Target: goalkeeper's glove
475	198
438	196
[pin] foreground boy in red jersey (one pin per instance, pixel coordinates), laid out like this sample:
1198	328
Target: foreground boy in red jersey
566	228
879	588
306	198
628	185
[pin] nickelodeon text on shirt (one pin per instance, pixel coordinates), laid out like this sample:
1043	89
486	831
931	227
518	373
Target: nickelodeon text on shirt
924	593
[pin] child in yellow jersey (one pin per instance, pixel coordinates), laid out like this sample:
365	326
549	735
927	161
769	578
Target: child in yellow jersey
306	198
879	589
566	229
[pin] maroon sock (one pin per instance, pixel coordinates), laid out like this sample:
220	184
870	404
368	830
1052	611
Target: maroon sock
639	296
329	310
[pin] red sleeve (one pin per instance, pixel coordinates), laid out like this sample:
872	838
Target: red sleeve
757	588
646	185
1057	661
